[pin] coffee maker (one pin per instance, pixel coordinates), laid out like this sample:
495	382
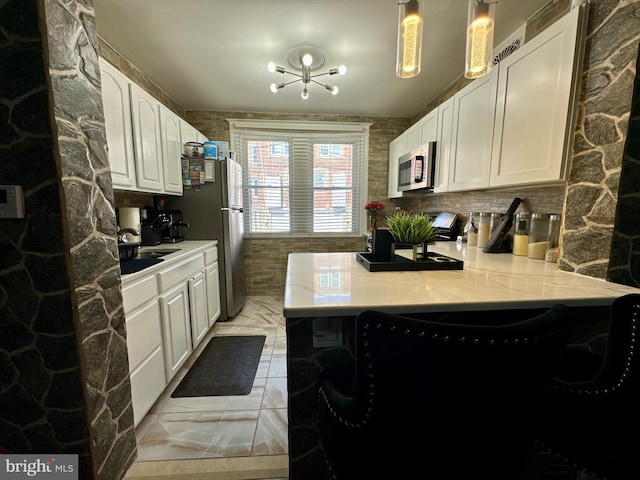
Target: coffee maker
172	232
153	223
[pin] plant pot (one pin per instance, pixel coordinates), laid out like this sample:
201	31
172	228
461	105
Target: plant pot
415	252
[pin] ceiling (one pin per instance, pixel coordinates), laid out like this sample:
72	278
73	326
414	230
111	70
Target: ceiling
212	54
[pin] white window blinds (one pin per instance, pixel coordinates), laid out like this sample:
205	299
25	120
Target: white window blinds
302	178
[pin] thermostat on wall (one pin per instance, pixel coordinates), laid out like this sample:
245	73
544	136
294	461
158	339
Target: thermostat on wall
11	201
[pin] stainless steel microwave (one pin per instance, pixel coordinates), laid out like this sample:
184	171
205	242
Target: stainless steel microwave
416	169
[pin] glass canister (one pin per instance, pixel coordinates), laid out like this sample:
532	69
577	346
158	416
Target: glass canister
472	229
537	247
553	239
521	234
484	226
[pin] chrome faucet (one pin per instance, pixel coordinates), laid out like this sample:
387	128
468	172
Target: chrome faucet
122	237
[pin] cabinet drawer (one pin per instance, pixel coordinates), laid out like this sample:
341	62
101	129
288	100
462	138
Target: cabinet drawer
180	272
147	383
210	255
144	333
139	293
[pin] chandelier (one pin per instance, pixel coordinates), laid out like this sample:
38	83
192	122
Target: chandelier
306	59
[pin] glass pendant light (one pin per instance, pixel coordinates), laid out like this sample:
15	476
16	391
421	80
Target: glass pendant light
409	40
479	38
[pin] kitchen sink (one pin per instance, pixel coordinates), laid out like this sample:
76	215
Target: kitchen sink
137	264
144	259
146	254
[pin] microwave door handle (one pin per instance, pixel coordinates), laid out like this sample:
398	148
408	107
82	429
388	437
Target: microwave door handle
419	177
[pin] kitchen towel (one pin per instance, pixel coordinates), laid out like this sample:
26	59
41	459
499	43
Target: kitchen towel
226	366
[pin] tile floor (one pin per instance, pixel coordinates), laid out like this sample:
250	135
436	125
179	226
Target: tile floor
224	434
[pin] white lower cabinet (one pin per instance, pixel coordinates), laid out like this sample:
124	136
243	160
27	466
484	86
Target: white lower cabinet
144	345
168	313
176	326
185	316
212	275
147	384
198	307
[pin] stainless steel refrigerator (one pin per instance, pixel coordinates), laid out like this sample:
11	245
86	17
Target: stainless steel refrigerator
215	213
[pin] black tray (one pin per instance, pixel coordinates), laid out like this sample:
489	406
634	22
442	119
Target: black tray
434	261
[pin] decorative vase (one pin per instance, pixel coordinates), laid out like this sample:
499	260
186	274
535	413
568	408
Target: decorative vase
373	221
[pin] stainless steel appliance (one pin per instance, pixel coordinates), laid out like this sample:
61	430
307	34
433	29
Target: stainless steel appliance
215	213
416	169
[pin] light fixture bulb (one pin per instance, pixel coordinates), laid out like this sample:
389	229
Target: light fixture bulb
342	69
307	60
408	60
335	90
271	67
479	39
305	93
276	86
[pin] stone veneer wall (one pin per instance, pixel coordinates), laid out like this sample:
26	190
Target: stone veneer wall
42	406
613	35
63	359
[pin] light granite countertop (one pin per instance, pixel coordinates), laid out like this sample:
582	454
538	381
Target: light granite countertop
333	284
184	250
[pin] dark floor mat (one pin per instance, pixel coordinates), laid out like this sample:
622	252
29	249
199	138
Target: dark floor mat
227	366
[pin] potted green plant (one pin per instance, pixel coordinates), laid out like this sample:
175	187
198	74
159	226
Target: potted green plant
414	229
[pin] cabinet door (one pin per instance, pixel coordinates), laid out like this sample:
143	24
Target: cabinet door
443	146
171	150
176	328
198	308
200	137
412	138
146	139
187	133
117	121
473	115
428	126
147	383
397	148
534	109
213	292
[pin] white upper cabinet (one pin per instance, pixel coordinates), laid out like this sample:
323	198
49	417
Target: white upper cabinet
187	133
412	138
428	126
146	140
171	150
200	137
473	116
534	108
117	119
443	146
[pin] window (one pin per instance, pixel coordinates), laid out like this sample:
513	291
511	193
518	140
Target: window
302	177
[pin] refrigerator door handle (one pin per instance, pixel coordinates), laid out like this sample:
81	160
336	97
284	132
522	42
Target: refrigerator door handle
235	209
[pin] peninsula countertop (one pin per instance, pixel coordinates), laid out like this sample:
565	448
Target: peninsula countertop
334	284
